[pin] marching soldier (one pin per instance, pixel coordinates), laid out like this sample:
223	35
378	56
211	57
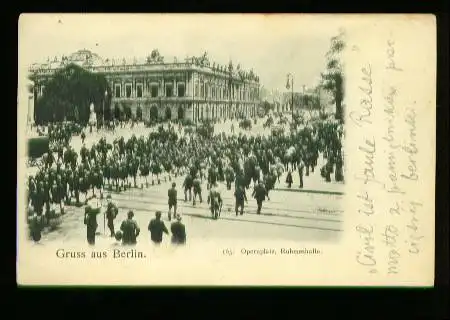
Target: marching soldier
130	230
157	228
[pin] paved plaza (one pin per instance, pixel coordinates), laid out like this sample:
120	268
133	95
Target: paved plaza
312	213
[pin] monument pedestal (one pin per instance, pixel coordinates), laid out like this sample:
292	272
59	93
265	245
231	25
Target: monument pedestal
92	118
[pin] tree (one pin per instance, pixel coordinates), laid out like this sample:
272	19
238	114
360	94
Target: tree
333	77
69	93
266	107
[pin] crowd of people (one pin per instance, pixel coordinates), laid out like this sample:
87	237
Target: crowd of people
239	161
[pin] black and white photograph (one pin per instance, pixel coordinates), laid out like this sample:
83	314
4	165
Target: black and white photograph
167	131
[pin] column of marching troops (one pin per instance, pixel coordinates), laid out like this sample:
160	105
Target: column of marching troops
239	159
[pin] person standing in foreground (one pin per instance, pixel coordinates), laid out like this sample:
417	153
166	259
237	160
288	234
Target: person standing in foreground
90	220
172	194
111	214
260	194
35	225
178	231
130	230
215	201
157	228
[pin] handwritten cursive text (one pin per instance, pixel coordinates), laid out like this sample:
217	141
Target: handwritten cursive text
365	103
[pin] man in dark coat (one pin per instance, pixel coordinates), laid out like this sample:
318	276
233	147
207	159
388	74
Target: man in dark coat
172	194
187	184
178	231
35	225
289	179
130	230
197	190
240	197
301	166
90	220
215	201
111	214
260	194
157	228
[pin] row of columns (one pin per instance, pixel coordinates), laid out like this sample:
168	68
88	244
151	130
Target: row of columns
202	111
204	89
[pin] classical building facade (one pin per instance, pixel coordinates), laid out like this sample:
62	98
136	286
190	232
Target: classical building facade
190	89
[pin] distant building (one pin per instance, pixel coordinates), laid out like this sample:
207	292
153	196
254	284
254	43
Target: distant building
324	97
286	102
190	89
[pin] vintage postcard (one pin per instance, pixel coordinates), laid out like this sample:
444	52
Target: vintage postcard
226	149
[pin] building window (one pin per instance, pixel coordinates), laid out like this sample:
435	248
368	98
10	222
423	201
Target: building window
169	90
196	89
181	90
139	90
128	90
154	91
117	91
202	90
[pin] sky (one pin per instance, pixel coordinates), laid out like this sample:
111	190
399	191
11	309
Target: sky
273	45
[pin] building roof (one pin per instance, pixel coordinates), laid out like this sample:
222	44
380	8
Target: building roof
87	58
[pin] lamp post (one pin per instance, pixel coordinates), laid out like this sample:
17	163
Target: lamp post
291	84
106	95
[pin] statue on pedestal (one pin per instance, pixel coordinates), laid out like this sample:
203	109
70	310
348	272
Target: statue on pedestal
92	118
30	100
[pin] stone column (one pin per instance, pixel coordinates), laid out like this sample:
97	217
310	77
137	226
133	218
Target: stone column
175	89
